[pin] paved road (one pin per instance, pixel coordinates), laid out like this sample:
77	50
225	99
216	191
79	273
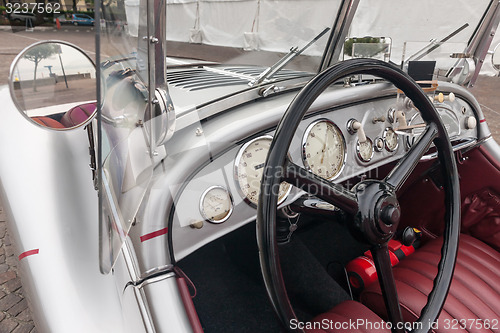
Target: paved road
13	41
14	313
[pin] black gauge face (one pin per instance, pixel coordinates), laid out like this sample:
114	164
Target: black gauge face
249	165
323	149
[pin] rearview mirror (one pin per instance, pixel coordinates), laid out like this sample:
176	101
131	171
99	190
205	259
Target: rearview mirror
368	47
53	85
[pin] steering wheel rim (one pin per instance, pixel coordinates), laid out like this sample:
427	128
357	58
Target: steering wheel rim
278	168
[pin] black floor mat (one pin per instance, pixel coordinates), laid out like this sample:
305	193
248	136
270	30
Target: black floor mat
228	299
231	296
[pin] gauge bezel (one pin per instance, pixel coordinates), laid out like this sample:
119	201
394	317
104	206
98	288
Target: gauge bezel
304	142
203	196
359	153
385	141
236	171
410	123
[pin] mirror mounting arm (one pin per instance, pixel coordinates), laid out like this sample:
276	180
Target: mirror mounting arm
92	152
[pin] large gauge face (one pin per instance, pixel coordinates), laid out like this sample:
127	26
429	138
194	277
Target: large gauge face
216	204
249	167
323	149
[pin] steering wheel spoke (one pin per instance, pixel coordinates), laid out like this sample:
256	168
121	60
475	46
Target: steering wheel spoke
373	203
320	187
382	260
407	164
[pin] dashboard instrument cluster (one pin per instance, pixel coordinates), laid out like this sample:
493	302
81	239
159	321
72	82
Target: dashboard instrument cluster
337	144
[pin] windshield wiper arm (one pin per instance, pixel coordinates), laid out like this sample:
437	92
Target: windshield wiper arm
433	45
294	51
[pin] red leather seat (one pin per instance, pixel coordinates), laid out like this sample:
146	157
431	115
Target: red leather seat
474	292
47	122
78	114
349	316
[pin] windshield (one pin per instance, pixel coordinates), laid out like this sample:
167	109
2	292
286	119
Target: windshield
420	37
248	32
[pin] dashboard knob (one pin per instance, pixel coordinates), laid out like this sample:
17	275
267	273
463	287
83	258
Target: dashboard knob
354	126
470	122
441	97
390	215
401	118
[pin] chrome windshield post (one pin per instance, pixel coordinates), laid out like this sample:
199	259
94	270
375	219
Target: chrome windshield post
337	37
152	67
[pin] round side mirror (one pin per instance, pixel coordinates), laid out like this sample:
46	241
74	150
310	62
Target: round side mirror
495	58
53	84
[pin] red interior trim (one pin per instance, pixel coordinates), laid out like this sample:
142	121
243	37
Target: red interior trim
482	120
189	306
28	253
154	234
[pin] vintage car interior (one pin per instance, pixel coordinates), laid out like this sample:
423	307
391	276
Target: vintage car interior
349	185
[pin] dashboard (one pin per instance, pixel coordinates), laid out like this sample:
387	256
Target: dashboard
341	142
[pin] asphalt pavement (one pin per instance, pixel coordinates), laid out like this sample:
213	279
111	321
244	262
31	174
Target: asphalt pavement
14	40
15	315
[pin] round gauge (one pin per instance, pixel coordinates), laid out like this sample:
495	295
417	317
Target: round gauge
365	150
391	139
216	204
249	167
323	149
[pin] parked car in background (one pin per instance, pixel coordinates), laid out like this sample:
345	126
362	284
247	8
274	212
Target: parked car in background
23	17
82	19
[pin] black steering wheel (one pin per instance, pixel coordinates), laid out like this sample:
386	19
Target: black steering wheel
372	203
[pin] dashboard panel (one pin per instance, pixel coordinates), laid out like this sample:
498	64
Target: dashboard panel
337	143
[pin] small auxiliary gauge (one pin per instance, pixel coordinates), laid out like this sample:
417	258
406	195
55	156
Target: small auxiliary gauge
391	139
365	150
216	204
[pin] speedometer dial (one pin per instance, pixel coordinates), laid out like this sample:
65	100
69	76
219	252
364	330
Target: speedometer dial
249	167
323	149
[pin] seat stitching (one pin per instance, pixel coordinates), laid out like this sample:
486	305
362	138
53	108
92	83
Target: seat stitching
459	279
474	272
453	294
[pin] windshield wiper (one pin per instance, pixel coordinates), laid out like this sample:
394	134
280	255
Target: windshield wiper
294	51
433	45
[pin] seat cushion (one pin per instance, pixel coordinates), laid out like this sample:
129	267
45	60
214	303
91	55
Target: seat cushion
348	316
48	122
78	114
474	292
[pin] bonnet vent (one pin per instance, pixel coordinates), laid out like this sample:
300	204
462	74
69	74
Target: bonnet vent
211	77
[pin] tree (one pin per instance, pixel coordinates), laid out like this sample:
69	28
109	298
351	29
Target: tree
37	54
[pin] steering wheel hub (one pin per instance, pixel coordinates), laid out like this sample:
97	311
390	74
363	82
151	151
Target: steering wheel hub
379	211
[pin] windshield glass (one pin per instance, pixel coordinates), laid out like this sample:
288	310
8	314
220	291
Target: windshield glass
248	32
452	21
